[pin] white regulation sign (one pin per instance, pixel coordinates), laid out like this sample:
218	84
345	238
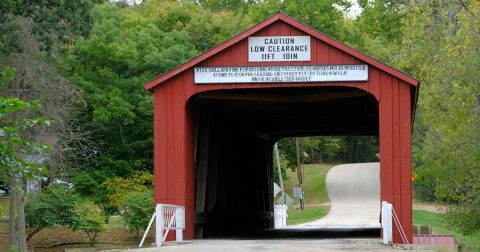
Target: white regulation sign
279	48
273	74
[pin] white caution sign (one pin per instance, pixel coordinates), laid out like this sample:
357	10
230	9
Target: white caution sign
279	48
273	74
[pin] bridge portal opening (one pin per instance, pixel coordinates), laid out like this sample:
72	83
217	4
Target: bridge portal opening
233	136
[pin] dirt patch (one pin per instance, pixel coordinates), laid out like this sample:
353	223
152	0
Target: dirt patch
51	240
430	207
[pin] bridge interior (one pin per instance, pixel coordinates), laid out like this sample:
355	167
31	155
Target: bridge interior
234	133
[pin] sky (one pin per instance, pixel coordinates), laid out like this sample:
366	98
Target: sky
355	10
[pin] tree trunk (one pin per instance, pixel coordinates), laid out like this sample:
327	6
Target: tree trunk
12	227
22	242
30	235
17	215
299	172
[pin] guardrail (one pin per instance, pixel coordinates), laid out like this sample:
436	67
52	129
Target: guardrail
168	217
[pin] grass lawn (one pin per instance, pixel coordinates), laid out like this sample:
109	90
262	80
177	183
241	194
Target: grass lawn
313	183
115	222
315	193
435	220
310	213
4	205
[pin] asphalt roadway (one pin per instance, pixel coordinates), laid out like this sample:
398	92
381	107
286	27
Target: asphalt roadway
354	193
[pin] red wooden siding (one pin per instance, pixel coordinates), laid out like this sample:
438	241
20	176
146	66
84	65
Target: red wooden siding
173	133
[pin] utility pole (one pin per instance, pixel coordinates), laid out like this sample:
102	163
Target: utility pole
280	177
299	172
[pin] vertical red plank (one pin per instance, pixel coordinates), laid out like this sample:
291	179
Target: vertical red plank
190	89
396	147
406	158
190	178
169	137
386	140
374	82
160	145
322	52
178	140
347	59
314	53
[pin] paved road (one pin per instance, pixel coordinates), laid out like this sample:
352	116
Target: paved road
282	246
354	192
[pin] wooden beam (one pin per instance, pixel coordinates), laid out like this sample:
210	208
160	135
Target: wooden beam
202	167
282	98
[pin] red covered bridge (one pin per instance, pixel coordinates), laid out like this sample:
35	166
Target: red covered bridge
217	117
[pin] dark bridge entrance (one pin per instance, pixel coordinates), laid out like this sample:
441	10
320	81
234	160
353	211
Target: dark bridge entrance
217	117
235	132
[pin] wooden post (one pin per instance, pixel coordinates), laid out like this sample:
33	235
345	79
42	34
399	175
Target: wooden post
280	177
299	172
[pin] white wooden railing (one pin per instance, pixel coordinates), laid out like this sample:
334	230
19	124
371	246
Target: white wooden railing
387	223
168	217
389	214
280	216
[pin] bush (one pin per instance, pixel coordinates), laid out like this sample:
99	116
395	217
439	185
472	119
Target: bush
118	186
90	185
85	183
139	208
88	218
54	206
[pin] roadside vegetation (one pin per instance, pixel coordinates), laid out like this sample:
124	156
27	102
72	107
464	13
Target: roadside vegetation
314	183
315	194
440	226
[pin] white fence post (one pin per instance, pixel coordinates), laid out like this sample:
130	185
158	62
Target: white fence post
387	222
280	216
159	225
180	223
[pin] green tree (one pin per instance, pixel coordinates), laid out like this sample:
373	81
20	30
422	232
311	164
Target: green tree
378	29
118	186
33	34
110	66
54	206
14	148
325	15
128	46
138	208
440	46
89	220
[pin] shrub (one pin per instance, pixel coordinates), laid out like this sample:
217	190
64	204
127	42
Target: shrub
54	206
90	185
88	218
139	208
116	187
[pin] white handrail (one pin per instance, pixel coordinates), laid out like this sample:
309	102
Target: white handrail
389	214
399	227
146	231
173	216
